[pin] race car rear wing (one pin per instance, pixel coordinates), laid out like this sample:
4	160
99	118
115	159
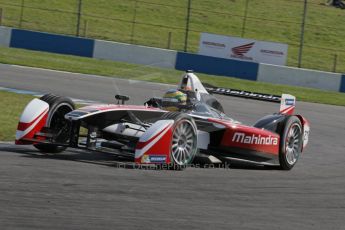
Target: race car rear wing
241	93
287	101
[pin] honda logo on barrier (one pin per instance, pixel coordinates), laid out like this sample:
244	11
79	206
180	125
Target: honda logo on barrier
239	51
242	49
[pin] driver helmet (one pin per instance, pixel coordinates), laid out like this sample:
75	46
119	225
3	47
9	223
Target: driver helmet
172	98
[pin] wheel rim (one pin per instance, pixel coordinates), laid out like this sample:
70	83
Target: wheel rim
293	143
59	124
184	142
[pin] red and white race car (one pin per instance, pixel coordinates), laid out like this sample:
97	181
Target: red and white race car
151	135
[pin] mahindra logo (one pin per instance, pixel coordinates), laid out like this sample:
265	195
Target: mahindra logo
243	49
254	139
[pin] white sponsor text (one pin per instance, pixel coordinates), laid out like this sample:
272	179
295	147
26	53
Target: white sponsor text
254	139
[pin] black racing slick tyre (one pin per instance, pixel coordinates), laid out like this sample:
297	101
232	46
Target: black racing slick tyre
290	143
184	140
56	123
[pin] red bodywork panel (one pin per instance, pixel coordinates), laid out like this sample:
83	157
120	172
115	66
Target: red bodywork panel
247	137
38	127
157	149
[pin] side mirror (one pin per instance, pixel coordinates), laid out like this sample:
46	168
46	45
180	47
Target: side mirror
121	98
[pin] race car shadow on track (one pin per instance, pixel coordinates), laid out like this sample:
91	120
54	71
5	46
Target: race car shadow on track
112	160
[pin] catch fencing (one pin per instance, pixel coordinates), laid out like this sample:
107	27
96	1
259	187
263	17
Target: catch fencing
313	30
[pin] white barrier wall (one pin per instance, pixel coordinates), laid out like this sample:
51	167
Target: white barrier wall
134	54
5	36
150	56
299	77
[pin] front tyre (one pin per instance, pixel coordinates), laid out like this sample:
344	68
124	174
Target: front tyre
290	143
184	139
58	126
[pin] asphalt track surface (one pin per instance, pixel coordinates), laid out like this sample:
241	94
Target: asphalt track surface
83	190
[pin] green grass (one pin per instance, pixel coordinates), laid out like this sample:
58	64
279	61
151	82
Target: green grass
12	105
146	73
271	20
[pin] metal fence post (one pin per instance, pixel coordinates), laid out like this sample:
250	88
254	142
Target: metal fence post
245	18
134	21
169	40
78	17
0	16
335	62
302	34
21	14
85	27
187	26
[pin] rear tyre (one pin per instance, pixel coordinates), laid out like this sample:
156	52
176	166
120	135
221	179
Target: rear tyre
57	124
184	140
290	143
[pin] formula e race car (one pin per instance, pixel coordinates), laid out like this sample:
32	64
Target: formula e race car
150	134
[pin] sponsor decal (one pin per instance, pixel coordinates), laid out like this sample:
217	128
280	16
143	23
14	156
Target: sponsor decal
216	44
243	49
243	138
153	159
145	159
157	159
77	113
289	101
272	52
247	94
306	135
240	51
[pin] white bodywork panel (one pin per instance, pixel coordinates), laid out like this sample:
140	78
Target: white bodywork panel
126	129
193	84
203	139
306	135
33	110
32	113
